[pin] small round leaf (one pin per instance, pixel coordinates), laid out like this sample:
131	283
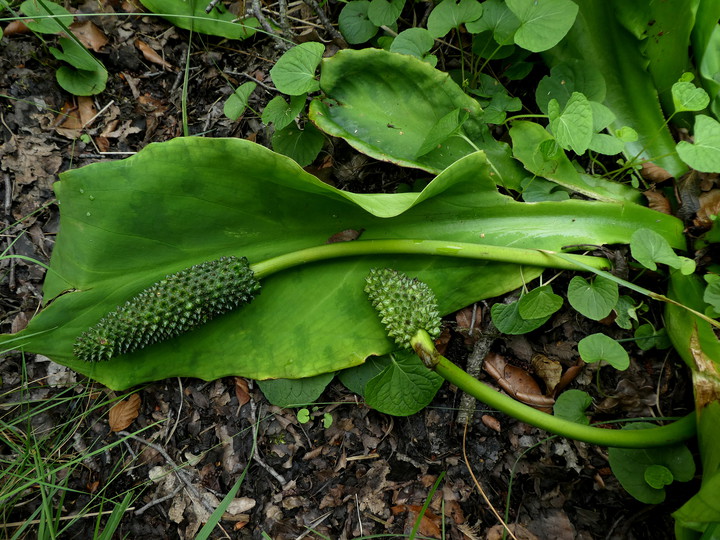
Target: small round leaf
599	348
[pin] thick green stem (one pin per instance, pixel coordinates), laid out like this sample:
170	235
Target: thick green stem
675	432
528	257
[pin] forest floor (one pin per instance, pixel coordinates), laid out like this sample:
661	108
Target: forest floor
367	473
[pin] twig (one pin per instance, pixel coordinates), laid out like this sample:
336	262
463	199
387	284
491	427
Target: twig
182	476
257	11
179	412
329	28
474	367
149	505
256	457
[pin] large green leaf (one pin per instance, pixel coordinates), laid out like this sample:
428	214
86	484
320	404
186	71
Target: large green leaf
388	105
600	41
191	15
126	224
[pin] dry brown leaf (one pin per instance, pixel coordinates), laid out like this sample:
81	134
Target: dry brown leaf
709	206
658	201
496	532
348	235
124	413
242	391
151	55
654	173
550	371
73	119
516	381
89	35
491	422
15	27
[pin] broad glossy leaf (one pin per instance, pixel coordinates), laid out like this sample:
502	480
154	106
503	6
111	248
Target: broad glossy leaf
704	154
601	42
647	247
385	104
705	39
192	16
126	224
542	23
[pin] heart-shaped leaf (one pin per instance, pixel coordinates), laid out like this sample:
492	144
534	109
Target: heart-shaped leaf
542	23
294	72
601	348
704	155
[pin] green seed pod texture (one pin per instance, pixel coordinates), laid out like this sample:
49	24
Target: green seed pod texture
405	305
176	304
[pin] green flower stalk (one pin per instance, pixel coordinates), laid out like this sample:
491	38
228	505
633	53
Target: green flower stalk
396	298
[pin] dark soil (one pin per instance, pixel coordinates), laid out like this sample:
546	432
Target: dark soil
366	474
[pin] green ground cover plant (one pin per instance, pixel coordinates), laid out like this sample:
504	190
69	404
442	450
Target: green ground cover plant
571	157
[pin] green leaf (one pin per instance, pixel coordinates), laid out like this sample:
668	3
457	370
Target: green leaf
81	82
303	415
404	387
415	42
571	405
450	14
594	299
538	189
608	145
302	145
43	22
354	22
295	392
441	131
631	468
76	55
647	247
568	77
507	319
658	476
704	154
538	303
127	224
278	112
647	337
543	23
573	128
497	18
712	294
625	310
237	103
601	348
530	144
688	97
386	104
495	111
385	12
192	16
355	378
294	72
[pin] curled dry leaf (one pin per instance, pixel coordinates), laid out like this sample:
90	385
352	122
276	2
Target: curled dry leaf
72	120
550	371
124	413
151	55
491	422
496	532
657	201
15	27
89	35
709	206
242	391
516	381
654	173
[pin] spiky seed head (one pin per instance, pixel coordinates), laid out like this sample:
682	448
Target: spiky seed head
406	305
170	307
